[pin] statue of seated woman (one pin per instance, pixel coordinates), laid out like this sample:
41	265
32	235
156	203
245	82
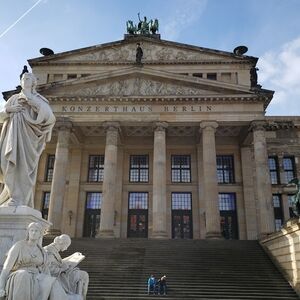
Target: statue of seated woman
72	279
25	274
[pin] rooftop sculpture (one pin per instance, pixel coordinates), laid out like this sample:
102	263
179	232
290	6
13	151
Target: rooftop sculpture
144	27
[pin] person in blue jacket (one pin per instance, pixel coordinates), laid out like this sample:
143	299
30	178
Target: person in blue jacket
151	284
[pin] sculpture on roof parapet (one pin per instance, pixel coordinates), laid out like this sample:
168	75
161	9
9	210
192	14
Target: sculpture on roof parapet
253	78
144	27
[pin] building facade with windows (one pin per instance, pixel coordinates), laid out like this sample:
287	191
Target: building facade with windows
177	146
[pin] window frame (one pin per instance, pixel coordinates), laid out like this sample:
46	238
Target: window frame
230	170
180	168
44	208
292	158
99	169
182	193
49	168
276	170
139	168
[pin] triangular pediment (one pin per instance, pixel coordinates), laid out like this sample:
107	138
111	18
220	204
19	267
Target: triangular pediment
138	81
154	50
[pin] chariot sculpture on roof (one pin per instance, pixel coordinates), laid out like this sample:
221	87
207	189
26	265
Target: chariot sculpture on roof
144	27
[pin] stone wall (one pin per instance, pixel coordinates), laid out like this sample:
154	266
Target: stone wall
284	249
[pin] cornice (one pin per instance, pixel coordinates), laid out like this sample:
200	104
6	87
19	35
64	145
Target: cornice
160	99
156	62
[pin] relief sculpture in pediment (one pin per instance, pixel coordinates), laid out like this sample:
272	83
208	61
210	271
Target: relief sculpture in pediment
152	52
136	87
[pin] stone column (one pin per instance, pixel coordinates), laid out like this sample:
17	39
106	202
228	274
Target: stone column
109	181
210	184
159	182
262	179
58	186
249	197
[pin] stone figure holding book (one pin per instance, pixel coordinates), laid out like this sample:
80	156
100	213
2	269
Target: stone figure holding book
28	122
72	279
25	274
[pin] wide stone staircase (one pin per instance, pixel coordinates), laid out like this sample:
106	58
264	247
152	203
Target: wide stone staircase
195	269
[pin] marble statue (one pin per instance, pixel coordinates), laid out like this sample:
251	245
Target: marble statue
73	280
25	275
28	123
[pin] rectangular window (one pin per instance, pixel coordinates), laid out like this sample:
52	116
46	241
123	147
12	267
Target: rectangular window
93	200
49	168
289	168
138	200
181	168
225	169
212	76
278	212
139	168
45	205
274	169
96	168
227	202
181	201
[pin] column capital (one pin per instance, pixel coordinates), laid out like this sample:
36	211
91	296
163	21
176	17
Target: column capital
160	126
111	126
208	124
258	125
63	123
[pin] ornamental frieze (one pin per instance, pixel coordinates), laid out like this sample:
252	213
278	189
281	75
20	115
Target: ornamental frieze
136	87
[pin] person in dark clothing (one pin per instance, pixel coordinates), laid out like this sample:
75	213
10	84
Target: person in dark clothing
163	285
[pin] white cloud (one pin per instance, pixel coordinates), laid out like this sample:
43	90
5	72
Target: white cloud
280	71
183	16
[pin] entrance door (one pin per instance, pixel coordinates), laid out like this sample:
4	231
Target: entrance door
92	214
182	225
228	216
137	215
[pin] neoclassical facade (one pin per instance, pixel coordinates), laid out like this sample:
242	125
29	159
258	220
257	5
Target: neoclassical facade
177	146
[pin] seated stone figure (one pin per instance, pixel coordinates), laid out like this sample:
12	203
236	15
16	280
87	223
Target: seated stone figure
25	274
73	280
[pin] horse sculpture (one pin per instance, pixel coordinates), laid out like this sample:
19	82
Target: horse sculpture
131	29
296	196
154	26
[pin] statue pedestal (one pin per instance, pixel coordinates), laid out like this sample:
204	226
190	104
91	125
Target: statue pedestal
13	224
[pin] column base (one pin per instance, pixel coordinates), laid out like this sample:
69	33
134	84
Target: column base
105	234
214	235
51	232
159	235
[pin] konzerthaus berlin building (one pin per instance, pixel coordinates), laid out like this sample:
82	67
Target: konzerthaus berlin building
177	146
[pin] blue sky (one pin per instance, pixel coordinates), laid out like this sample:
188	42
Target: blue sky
269	28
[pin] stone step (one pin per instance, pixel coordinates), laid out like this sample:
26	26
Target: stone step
119	269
